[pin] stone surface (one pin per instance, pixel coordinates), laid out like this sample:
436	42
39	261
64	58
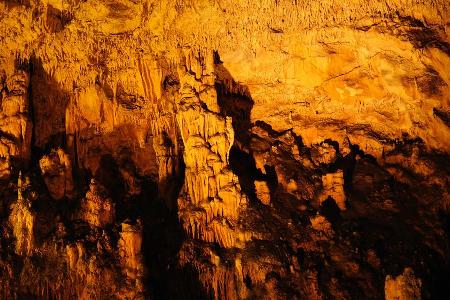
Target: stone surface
22	220
97	208
225	149
56	169
262	192
333	186
15	122
404	286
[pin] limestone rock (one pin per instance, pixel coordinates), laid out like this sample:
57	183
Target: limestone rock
96	207
226	149
15	122
324	153
262	192
5	168
211	189
56	169
130	244
404	286
333	186
22	221
320	223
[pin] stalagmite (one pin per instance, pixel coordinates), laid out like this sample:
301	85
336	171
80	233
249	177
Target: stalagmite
403	287
97	208
207	136
226	149
56	169
22	219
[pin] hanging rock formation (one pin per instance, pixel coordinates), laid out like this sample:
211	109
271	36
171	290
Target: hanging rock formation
229	149
211	197
15	123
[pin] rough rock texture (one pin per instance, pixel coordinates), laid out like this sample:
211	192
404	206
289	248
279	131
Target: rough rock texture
56	169
229	149
97	209
404	286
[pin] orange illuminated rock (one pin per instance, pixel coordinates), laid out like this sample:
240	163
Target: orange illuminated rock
15	123
5	168
262	192
97	208
211	201
56	169
324	153
333	186
321	224
130	244
405	286
226	149
22	220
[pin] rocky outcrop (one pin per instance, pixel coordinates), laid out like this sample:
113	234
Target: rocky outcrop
56	169
404	286
333	186
15	122
224	149
97	208
22	219
130	244
211	199
262	192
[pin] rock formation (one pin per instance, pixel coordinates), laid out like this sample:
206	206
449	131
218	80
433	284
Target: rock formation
211	198
404	286
22	220
15	123
56	169
229	149
96	208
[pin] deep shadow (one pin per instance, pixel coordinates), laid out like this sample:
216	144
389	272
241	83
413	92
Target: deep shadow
422	36
330	210
369	223
163	238
49	102
234	100
13	3
243	165
57	19
443	115
110	177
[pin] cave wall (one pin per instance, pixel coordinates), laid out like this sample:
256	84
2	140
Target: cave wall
224	149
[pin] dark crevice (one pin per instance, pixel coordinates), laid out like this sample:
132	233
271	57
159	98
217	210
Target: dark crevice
330	210
57	19
164	236
48	104
243	165
443	115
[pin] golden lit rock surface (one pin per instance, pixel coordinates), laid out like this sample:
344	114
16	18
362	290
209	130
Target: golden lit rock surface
333	186
405	286
56	169
230	149
97	208
262	192
22	221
